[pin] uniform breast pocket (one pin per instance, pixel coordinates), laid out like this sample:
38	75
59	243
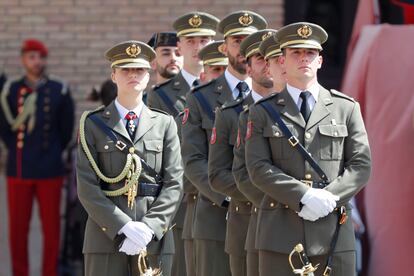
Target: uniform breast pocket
332	141
281	149
106	151
153	153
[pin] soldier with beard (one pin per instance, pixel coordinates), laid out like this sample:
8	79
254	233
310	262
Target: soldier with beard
211	207
225	138
270	51
169	61
194	31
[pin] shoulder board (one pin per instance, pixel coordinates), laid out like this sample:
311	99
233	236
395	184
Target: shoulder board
162	84
159	110
231	104
96	110
59	80
198	87
341	95
266	98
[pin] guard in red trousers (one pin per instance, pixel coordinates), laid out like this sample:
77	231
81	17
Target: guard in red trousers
36	124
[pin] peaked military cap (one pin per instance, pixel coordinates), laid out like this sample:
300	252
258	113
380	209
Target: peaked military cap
302	35
211	54
241	23
196	24
130	54
163	39
270	47
250	45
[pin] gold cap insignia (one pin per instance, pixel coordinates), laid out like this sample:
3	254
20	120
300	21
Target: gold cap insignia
220	49
246	19
266	35
195	21
305	31
133	50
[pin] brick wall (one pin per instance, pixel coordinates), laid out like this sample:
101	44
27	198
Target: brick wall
78	32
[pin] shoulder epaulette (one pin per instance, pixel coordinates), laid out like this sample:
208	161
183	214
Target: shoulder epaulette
342	95
162	84
198	87
230	104
266	98
159	110
96	110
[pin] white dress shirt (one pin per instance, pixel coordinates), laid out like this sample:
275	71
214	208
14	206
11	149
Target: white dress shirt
123	111
256	96
189	78
232	81
295	94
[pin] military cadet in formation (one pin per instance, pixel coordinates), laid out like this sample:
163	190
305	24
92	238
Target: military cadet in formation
224	138
307	150
269	50
166	65
198	120
168	61
37	118
129	170
194	31
214	61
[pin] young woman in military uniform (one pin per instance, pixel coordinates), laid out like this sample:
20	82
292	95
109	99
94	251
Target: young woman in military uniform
129	170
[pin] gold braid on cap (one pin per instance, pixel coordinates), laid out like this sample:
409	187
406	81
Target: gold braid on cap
131	170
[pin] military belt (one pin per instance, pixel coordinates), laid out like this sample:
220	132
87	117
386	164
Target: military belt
315	184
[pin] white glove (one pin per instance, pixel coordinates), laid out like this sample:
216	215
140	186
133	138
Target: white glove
130	248
320	201
138	232
308	214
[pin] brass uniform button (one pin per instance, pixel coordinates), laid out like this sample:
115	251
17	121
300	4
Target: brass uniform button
308	176
106	147
248	203
272	204
213	204
19	144
20	136
131	150
277	134
255	209
194	197
20	109
335	133
286	207
46	108
308	135
158	147
237	208
104	229
47	100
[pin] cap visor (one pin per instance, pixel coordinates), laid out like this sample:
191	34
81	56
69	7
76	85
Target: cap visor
305	46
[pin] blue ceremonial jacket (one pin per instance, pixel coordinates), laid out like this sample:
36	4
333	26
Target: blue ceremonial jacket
36	152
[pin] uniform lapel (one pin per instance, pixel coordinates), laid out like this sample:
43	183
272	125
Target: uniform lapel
290	109
145	123
114	121
223	89
320	111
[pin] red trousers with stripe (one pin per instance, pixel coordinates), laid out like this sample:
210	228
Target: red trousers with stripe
21	193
